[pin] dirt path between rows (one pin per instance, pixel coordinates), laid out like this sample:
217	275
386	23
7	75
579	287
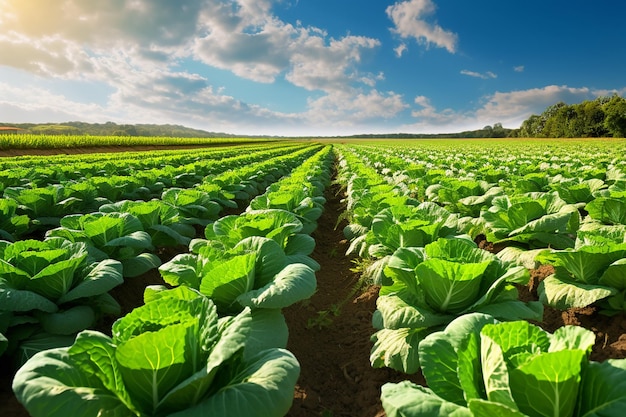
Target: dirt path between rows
330	333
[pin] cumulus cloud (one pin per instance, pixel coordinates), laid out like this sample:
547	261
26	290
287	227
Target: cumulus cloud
509	108
400	49
485	76
135	47
134	26
331	68
519	68
254	44
52	56
135	51
346	108
114	22
409	18
241	36
515	106
428	115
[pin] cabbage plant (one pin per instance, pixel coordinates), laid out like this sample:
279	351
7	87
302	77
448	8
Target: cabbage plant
295	200
300	193
407	226
161	220
398	227
255	273
576	191
45	206
194	205
365	200
12	225
537	219
218	188
593	272
49	291
435	284
172	357
529	183
478	367
464	196
598	234
118	236
126	187
608	210
282	226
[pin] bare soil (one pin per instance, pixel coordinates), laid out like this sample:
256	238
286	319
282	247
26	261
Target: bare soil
610	331
330	333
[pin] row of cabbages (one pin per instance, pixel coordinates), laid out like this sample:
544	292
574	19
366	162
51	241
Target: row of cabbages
452	310
52	289
38	202
213	344
541	213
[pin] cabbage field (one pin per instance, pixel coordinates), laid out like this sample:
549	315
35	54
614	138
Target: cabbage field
316	278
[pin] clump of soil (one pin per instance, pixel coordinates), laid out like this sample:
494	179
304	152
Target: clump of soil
610	331
483	243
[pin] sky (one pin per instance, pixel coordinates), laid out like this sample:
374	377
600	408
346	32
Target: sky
306	67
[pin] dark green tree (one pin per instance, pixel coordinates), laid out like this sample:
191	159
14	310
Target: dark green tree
602	117
615	116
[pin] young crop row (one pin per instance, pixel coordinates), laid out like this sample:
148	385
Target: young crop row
31	141
178	167
213	338
45	170
452	310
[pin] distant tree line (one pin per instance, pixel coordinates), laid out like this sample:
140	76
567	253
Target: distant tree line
602	117
495	131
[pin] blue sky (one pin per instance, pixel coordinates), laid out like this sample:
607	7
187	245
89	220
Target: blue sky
306	67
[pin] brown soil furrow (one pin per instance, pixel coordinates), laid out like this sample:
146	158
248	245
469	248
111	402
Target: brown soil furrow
330	333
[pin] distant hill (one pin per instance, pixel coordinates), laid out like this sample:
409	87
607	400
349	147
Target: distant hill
113	129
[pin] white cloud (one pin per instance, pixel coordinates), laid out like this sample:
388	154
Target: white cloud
241	36
519	68
329	68
135	46
113	23
400	49
509	108
135	50
254	44
16	106
485	76
347	108
427	114
409	20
